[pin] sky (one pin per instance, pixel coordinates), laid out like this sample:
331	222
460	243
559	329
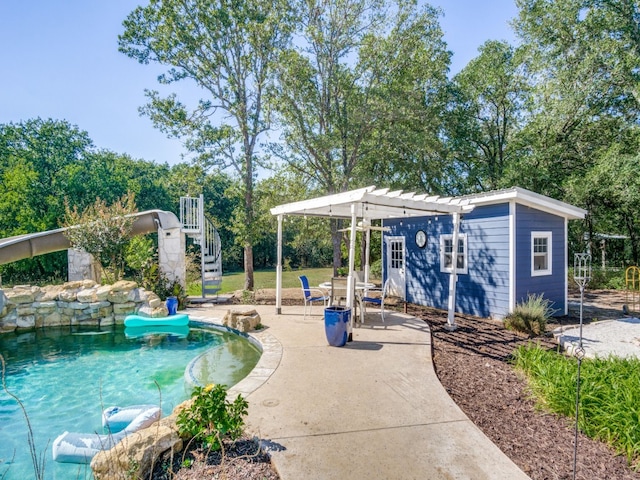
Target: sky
59	59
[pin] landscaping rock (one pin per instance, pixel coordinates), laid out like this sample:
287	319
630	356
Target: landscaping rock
242	320
73	303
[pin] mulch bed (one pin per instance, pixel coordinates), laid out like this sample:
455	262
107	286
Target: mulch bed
242	460
473	365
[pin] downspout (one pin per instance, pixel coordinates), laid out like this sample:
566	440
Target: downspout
279	268
453	278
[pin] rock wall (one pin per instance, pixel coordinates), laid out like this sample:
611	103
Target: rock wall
75	303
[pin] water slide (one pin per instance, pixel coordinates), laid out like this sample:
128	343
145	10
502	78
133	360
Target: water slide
33	244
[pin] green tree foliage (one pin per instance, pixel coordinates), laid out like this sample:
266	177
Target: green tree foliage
582	56
611	192
362	70
228	49
38	159
490	96
103	231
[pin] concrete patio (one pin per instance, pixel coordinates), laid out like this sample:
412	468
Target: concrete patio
371	409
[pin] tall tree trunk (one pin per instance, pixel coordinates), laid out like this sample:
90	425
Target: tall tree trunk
336	239
248	267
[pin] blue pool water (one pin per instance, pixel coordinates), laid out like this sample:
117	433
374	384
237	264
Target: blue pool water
65	379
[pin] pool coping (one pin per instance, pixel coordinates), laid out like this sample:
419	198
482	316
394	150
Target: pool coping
268	362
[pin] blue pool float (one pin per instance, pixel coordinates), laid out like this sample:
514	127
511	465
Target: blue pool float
180	331
178	320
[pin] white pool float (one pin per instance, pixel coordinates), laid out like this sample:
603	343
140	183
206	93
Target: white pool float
73	447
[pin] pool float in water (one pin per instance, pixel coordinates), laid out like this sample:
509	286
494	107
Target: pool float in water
180	331
178	320
72	447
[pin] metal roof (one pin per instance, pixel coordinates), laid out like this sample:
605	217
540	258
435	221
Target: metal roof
528	198
374	204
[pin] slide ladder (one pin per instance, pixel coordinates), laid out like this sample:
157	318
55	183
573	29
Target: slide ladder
197	226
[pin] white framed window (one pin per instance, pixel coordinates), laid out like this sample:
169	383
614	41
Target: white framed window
541	253
447	255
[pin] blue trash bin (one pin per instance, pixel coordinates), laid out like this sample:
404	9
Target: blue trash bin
336	320
172	305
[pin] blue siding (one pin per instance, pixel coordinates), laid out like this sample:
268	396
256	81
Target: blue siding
484	290
551	286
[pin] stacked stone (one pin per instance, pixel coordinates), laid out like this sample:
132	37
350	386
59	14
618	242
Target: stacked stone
75	303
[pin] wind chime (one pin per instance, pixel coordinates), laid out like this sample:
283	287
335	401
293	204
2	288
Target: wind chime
582	276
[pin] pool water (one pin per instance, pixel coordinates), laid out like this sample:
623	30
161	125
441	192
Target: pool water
66	378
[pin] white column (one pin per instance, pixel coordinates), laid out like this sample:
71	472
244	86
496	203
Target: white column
366	223
352	257
279	269
453	278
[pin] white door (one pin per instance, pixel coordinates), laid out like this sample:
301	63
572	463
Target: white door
395	266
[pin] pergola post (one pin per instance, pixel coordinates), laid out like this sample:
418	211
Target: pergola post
279	268
453	278
352	263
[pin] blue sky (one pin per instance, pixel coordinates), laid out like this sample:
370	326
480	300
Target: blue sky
60	60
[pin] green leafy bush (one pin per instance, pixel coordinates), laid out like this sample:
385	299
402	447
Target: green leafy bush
211	418
609	279
157	282
530	316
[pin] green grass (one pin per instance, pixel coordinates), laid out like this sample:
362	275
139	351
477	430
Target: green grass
267	279
609	394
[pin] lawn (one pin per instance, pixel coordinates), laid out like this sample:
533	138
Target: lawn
267	279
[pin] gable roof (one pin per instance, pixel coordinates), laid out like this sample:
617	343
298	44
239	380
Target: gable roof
528	198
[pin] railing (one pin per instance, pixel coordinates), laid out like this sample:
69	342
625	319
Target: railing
190	209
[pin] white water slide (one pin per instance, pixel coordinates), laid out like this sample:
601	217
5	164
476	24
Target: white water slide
33	244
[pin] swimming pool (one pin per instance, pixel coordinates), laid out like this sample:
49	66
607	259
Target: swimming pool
66	378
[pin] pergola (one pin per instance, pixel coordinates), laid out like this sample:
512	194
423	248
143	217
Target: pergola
369	204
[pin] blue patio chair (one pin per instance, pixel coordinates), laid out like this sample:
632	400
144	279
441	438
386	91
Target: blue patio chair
378	301
310	295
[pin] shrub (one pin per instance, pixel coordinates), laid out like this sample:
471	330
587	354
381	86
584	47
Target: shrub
211	418
530	316
609	392
375	270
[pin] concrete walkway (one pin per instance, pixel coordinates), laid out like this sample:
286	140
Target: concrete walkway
373	409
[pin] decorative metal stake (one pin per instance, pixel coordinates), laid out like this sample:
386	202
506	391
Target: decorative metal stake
582	276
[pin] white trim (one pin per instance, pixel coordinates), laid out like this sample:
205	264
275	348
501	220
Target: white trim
400	239
529	199
566	266
464	270
549	237
512	255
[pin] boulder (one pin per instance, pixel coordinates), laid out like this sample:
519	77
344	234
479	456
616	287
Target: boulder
22	294
102	293
124	308
134	456
87	295
26	321
242	320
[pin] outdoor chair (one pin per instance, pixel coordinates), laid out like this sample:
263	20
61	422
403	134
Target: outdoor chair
311	295
379	301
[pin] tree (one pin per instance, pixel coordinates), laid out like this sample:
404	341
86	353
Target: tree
358	65
38	159
229	50
611	192
582	56
103	231
488	110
